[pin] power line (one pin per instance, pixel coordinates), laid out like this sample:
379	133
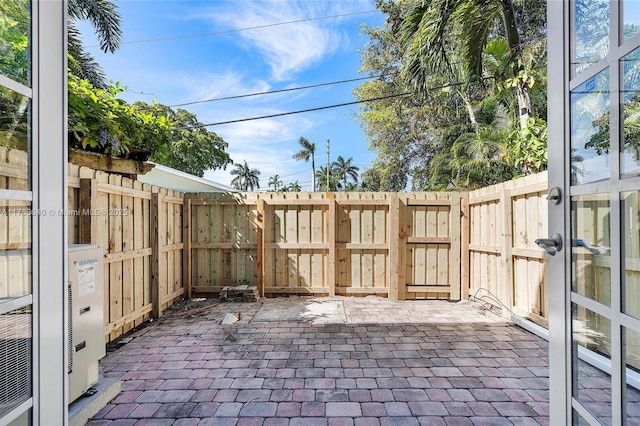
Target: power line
278	91
240	120
187	36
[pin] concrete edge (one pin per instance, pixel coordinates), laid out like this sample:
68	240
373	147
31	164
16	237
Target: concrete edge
85	407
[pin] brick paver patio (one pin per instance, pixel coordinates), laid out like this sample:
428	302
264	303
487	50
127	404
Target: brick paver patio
380	363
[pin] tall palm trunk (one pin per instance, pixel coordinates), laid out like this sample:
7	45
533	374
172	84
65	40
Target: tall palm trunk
313	171
513	40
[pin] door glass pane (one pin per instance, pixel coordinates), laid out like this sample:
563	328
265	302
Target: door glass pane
591	337
590	247
630	233
23	420
630	149
630	18
631	353
15	49
590	130
15	349
15	134
578	420
591	33
15	249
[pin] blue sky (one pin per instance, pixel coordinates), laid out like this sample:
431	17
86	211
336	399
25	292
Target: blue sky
249	61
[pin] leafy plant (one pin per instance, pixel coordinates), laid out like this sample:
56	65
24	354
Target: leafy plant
527	147
101	122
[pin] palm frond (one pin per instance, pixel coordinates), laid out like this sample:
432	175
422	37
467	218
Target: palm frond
104	16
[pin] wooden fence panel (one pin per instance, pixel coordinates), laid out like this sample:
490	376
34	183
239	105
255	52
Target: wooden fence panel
328	243
116	213
433	257
15	229
223	242
506	266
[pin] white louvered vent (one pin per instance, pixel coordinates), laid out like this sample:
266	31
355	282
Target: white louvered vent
15	358
70	329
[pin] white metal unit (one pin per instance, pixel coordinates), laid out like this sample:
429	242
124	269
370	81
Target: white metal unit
86	317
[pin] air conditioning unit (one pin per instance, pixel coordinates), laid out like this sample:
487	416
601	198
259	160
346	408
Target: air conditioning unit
86	317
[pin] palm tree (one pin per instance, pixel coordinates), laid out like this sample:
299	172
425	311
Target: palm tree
105	19
245	177
307	152
433	31
334	179
275	182
293	187
345	170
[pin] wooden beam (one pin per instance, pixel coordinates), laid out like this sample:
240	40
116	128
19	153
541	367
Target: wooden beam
455	261
428	288
127	255
507	247
296	290
297	246
260	249
482	199
119	190
362	290
186	251
88	204
107	163
225	246
481	248
429	240
362	246
172	247
127	319
331	241
157	232
465	272
427	202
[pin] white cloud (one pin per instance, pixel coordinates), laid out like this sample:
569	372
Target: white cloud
287	49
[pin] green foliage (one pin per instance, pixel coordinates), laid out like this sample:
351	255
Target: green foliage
292	187
527	147
477	73
190	147
104	17
14	41
334	180
245	178
307	152
276	182
14	120
99	121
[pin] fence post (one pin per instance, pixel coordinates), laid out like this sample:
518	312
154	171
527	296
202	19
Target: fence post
88	206
397	239
455	260
260	252
507	246
186	247
157	236
464	245
331	237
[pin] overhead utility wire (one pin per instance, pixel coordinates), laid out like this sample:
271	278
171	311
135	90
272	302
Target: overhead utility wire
311	86
150	40
240	120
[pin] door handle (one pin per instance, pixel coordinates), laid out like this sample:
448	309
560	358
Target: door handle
551	245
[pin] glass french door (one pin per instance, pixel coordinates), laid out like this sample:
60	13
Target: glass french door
594	159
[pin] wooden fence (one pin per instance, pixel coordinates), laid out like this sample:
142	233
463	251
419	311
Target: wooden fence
507	268
140	229
15	229
403	245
